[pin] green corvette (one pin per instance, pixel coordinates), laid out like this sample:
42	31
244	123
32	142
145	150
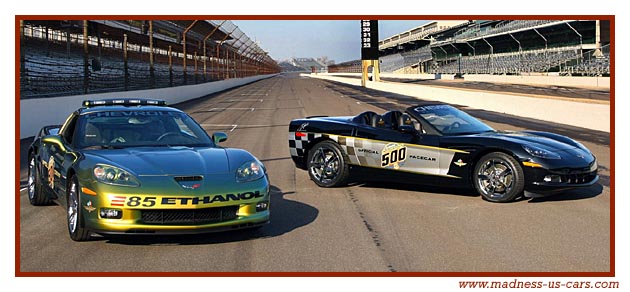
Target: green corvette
136	166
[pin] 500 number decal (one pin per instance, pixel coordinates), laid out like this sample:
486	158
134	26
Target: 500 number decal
393	155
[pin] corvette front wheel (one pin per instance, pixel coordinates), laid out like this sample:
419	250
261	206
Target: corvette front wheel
76	227
327	165
498	177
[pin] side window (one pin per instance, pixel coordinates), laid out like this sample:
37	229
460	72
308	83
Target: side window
67	131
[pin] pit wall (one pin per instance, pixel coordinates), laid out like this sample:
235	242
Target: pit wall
595	116
548	80
38	112
582	82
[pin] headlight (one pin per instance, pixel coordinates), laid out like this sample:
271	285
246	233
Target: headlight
250	171
539	152
593	166
111	175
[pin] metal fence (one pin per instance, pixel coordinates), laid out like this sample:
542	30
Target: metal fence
58	62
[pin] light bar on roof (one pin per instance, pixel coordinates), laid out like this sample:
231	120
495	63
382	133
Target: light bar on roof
123	102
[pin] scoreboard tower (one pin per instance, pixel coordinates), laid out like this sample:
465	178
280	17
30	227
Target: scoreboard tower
369	50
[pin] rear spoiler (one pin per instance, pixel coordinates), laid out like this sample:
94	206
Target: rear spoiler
311	117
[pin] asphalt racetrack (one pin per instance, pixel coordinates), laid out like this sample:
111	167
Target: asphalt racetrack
364	227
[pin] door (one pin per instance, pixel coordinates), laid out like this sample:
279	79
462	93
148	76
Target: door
390	149
59	157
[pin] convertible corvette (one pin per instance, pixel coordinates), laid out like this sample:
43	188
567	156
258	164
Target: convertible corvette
133	166
437	144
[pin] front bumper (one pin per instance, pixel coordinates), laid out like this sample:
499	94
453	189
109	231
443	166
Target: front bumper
110	228
540	182
140	211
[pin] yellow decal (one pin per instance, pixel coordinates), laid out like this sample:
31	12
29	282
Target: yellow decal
188	202
51	172
393	155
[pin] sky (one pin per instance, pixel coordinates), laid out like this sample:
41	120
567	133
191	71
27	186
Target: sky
339	40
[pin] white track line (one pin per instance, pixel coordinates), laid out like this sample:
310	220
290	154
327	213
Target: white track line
233	126
237	100
220	126
366	102
217	109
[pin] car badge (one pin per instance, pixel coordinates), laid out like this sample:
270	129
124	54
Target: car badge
580	156
460	163
89	207
302	127
189	185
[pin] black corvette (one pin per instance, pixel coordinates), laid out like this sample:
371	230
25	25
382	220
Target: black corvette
437	144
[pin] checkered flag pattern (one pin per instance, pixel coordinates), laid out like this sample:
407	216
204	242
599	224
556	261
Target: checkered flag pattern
299	143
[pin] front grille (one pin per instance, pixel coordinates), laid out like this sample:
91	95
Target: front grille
189	216
578	178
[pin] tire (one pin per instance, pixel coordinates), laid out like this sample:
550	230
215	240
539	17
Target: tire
76	225
498	177
36	194
327	165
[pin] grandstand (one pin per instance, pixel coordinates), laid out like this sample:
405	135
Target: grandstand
303	65
346	67
285	66
510	47
60	58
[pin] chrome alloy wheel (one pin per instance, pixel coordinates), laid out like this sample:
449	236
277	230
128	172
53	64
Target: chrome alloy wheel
495	178
324	165
73	207
31	179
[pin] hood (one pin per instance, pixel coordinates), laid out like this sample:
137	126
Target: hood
529	139
165	160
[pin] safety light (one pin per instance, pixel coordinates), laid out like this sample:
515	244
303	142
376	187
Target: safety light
553	178
123	102
262	206
110	213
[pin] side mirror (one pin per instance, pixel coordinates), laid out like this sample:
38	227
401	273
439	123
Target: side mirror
52	130
219	137
408	130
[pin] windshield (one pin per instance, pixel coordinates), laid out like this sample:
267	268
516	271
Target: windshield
136	128
451	121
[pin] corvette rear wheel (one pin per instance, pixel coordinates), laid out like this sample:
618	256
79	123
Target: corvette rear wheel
327	165
36	194
76	227
498	177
